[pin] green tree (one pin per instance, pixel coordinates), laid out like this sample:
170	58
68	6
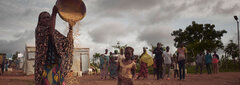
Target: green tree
96	56
94	64
199	37
15	56
153	47
118	46
232	50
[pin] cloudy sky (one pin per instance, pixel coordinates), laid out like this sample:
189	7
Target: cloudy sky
136	23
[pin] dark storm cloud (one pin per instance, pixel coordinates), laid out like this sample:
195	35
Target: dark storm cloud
18	44
158	11
151	12
18	19
108	20
21	14
231	9
110	32
170	12
165	13
122	8
124	5
155	35
16	14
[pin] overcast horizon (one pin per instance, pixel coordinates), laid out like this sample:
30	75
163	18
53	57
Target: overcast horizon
137	23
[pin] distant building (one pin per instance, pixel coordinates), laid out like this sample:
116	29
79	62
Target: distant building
81	61
29	60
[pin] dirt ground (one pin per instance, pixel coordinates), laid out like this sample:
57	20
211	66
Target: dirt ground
226	78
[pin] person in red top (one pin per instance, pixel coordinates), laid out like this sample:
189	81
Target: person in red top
215	62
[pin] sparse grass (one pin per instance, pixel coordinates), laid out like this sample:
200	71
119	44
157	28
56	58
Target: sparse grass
192	69
226	67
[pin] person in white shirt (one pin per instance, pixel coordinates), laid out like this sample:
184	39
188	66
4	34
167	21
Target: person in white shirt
199	62
167	62
121	56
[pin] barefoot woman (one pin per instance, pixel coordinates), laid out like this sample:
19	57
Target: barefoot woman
53	51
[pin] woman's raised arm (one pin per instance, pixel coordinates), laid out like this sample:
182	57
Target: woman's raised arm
52	22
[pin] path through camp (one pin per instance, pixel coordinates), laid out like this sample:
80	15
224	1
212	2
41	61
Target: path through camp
224	78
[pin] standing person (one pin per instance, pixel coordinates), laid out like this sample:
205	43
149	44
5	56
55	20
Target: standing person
53	58
182	59
208	61
175	67
110	54
215	60
6	64
167	56
126	67
104	65
3	64
154	68
199	62
17	63
113	65
159	60
143	67
121	56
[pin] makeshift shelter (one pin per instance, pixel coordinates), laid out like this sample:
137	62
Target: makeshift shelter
81	61
29	60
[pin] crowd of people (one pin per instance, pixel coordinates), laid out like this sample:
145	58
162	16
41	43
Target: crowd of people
123	66
211	62
5	64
